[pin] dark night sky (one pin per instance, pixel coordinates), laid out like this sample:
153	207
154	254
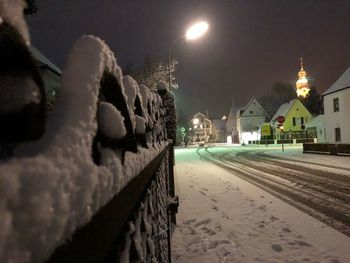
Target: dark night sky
250	44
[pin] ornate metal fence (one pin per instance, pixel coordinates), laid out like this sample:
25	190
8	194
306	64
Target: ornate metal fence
135	226
94	181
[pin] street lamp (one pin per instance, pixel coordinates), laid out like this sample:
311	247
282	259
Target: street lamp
193	32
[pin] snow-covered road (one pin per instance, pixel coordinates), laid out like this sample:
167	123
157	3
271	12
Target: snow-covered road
223	218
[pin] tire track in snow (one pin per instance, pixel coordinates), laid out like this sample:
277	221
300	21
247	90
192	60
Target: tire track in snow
317	205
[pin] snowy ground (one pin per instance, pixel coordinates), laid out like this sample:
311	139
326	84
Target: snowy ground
225	219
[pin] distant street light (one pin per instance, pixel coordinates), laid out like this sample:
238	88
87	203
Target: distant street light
192	33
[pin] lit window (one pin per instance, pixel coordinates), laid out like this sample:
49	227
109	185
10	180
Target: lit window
336	104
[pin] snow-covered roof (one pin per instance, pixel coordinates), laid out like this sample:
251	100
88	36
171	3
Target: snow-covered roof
342	82
283	109
315	121
199	114
44	60
253	100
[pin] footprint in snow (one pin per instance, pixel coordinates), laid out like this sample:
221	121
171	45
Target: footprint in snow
208	231
277	247
272	218
202	193
286	229
189	221
202	222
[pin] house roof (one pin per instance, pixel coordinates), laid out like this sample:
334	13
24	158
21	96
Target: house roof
241	110
314	121
44	60
201	115
342	82
283	109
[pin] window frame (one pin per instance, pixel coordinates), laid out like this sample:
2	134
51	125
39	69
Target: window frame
336	104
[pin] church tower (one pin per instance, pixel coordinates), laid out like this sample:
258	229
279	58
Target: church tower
303	86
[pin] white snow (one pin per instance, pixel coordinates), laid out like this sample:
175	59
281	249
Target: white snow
110	121
140	125
133	92
295	153
53	186
11	11
225	219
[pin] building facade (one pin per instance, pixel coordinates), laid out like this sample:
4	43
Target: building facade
316	128
249	120
202	130
336	102
50	73
295	115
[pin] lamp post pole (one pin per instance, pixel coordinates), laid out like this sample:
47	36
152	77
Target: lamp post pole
194	32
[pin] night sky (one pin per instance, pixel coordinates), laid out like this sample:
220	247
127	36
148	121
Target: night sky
250	43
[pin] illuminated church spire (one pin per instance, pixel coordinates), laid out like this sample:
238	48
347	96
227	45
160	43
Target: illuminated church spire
302	83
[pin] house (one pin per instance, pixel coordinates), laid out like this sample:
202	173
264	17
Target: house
202	128
231	126
295	115
50	74
336	101
219	130
316	128
249	120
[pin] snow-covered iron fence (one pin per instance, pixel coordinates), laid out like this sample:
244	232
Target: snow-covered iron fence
327	148
137	232
101	157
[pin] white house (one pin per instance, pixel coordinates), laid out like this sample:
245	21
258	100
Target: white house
336	101
249	120
202	127
316	128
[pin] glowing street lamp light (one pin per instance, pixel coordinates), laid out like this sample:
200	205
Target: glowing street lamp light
195	121
193	32
197	30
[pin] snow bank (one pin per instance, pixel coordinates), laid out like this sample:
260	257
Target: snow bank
54	186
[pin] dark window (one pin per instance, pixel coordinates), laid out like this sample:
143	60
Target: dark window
294	121
336	104
337	135
302	120
251	112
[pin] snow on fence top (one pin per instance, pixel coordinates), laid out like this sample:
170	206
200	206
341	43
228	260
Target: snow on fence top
11	11
103	131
